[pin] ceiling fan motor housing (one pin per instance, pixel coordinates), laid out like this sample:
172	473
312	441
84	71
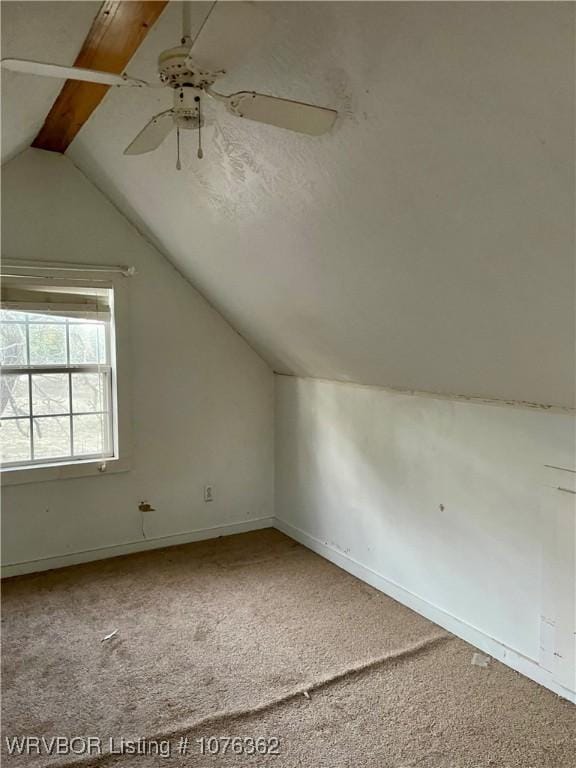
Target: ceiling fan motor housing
176	69
186	108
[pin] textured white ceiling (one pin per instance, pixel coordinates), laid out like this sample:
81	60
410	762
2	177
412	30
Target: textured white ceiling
43	31
427	243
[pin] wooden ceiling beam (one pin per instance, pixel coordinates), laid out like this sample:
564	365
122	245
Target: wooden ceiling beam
116	33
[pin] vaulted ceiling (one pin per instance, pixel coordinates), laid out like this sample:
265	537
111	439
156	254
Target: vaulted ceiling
43	31
426	243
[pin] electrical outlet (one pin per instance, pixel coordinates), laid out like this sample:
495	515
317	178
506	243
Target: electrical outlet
208	493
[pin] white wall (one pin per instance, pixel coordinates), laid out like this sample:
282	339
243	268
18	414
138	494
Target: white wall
435	501
201	399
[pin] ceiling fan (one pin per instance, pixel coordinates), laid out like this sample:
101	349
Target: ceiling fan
190	70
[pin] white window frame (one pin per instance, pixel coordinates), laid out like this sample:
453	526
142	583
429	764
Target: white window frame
65	274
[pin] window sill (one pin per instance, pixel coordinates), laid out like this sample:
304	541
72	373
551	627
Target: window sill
63	471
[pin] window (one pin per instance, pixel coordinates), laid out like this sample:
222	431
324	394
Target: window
57	391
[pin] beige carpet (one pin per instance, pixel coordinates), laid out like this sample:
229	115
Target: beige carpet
254	636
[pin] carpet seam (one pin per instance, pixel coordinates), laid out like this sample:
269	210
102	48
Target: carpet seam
350	672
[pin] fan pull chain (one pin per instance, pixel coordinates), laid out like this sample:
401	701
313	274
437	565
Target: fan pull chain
178	164
200	153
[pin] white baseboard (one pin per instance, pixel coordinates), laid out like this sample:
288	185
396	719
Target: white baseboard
476	637
102	553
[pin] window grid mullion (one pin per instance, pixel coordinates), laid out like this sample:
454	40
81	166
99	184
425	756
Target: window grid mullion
70	407
108	405
83	368
67	343
30	411
53	415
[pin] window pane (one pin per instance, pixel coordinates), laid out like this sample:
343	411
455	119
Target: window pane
51	437
15	440
14	395
87	343
12	314
13	344
90	434
88	392
50	393
47	344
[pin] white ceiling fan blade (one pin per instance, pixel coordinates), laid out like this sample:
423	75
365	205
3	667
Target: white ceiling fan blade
283	113
228	34
152	135
69	73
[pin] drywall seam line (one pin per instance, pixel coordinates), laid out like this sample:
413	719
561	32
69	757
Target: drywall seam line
473	399
13	157
355	670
